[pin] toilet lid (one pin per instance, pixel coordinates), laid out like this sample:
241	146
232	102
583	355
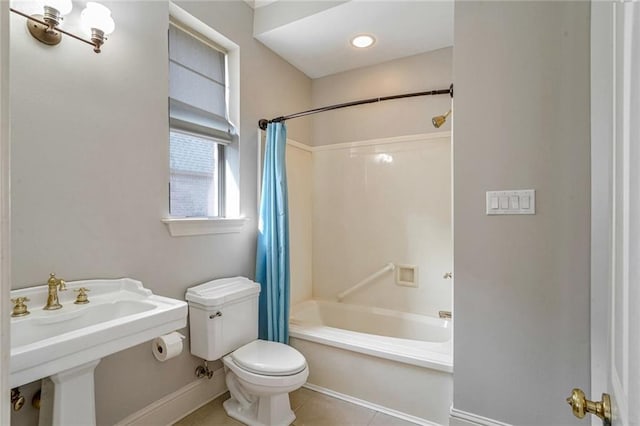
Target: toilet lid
269	358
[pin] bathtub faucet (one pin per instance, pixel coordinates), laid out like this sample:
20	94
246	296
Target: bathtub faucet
444	314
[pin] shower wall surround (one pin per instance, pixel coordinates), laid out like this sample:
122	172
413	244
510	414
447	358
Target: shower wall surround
356	207
299	175
380	203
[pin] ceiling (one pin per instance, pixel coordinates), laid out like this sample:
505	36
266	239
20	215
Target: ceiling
314	36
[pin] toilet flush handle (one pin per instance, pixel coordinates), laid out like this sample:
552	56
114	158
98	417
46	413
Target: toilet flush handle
217	314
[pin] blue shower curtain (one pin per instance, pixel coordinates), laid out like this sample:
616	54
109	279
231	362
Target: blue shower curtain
272	257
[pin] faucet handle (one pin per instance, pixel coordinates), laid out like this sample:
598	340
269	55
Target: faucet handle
444	314
19	308
82	296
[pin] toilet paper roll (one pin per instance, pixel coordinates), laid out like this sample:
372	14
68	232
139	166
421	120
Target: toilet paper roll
167	346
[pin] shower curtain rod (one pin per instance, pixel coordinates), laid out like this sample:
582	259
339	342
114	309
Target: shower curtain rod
263	122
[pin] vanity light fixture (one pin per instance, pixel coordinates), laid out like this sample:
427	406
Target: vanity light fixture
363	40
96	21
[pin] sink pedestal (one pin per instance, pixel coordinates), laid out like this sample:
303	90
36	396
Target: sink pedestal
74	396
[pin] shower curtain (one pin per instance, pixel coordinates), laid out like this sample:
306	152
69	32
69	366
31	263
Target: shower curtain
272	257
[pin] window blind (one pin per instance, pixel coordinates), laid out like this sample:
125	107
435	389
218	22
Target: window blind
197	92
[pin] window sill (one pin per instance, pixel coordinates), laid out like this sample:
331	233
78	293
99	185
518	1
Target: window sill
182	227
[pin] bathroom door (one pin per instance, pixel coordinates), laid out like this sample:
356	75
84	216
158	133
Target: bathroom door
616	185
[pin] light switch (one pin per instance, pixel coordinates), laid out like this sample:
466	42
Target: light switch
521	201
504	202
494	203
515	202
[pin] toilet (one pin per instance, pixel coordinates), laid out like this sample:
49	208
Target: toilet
223	321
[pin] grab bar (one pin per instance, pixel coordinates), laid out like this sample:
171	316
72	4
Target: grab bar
388	267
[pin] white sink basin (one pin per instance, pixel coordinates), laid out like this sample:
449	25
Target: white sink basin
47	325
121	314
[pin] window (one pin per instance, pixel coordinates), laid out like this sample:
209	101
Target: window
196	166
199	126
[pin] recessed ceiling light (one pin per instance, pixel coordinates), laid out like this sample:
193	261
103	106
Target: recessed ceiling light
363	40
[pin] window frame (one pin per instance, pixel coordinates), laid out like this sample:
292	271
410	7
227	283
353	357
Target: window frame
220	167
233	221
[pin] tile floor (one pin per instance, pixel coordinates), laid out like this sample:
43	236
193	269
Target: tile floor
311	408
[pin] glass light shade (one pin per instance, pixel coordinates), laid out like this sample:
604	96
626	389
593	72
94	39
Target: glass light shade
32	7
62	6
97	16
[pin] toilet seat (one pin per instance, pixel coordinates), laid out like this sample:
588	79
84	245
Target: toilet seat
269	358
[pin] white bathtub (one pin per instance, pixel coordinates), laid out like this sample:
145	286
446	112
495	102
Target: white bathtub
394	361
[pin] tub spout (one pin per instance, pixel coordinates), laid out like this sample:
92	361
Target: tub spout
444	314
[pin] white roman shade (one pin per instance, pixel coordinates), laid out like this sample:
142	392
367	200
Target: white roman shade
197	92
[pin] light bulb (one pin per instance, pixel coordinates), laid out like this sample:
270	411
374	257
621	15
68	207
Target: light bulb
97	16
62	6
363	40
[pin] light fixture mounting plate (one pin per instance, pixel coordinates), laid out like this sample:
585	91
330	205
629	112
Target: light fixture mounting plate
42	33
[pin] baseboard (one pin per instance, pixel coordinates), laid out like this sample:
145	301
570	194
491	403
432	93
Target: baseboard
463	418
176	405
370	405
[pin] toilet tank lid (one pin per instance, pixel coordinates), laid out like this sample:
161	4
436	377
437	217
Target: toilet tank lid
218	292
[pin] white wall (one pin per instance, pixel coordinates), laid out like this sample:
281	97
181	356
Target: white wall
521	302
300	187
380	203
426	71
90	170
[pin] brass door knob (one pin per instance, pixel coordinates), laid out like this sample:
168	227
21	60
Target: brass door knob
580	406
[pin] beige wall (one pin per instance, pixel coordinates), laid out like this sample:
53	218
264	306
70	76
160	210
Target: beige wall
427	71
521	303
90	171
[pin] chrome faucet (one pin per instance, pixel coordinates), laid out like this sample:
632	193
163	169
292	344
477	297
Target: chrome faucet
444	314
52	298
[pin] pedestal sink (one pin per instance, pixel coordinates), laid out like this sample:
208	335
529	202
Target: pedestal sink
68	343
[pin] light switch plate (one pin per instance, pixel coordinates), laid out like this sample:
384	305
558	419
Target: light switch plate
522	201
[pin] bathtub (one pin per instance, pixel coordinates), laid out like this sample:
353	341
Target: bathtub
394	362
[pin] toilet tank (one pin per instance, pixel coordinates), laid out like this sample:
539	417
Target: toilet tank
223	316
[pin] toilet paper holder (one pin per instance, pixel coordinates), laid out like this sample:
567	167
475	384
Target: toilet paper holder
167	346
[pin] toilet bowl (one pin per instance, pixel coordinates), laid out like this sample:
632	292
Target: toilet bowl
260	376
